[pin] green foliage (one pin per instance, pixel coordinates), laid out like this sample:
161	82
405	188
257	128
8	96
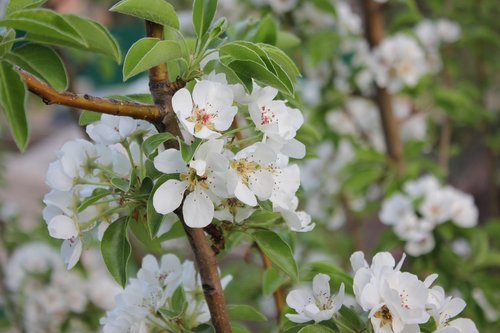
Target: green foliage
15	5
12	101
42	62
157	11
88	117
278	251
6	41
116	249
316	328
244	312
203	14
147	53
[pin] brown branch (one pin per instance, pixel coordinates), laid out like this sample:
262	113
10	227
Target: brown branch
374	33
278	293
86	102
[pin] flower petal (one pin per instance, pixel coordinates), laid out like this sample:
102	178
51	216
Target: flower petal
169	196
62	227
198	209
170	161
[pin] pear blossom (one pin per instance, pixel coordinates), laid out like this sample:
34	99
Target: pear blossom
206	111
114	129
317	304
198	208
233	210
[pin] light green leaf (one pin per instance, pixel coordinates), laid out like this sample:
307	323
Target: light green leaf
316	329
88	117
121	183
178	301
203	14
244	312
15	5
157	11
325	6
96	37
7	36
284	61
278	252
150	144
266	31
241	51
12	101
116	249
42	62
271	280
147	53
44	22
287	40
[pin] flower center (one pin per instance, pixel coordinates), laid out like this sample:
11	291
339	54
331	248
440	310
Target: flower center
194	180
385	315
244	167
200	118
266	115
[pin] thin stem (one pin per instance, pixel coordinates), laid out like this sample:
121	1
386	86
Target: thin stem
86	102
374	32
278	293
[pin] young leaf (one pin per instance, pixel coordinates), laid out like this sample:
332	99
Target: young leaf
150	144
287	40
157	11
12	101
97	194
44	22
42	62
241	51
178	301
15	5
121	183
278	252
5	37
88	117
147	53
279	57
116	250
244	312
203	14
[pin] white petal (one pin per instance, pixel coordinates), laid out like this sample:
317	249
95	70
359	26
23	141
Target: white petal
170	161
198	209
200	166
321	287
297	299
71	250
182	103
294	148
261	183
169	196
243	193
127	126
62	227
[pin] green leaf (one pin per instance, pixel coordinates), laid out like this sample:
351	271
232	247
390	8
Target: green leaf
178	301
325	6
150	144
15	5
12	101
121	183
116	250
44	22
88	117
287	40
147	53
203	14
278	252
187	151
7	36
350	318
157	11
236	328
240	51
244	312
284	61
96	36
266	31
97	194
271	280
316	329
42	62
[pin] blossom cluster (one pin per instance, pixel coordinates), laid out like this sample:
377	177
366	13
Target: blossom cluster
224	178
423	205
85	170
148	300
394	301
49	296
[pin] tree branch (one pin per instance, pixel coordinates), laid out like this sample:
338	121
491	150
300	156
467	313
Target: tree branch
86	102
374	33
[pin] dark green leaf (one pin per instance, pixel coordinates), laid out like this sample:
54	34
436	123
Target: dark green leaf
116	250
147	53
157	11
42	62
7	36
88	117
350	318
178	301
203	14
12	101
47	23
150	144
15	5
244	312
278	252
